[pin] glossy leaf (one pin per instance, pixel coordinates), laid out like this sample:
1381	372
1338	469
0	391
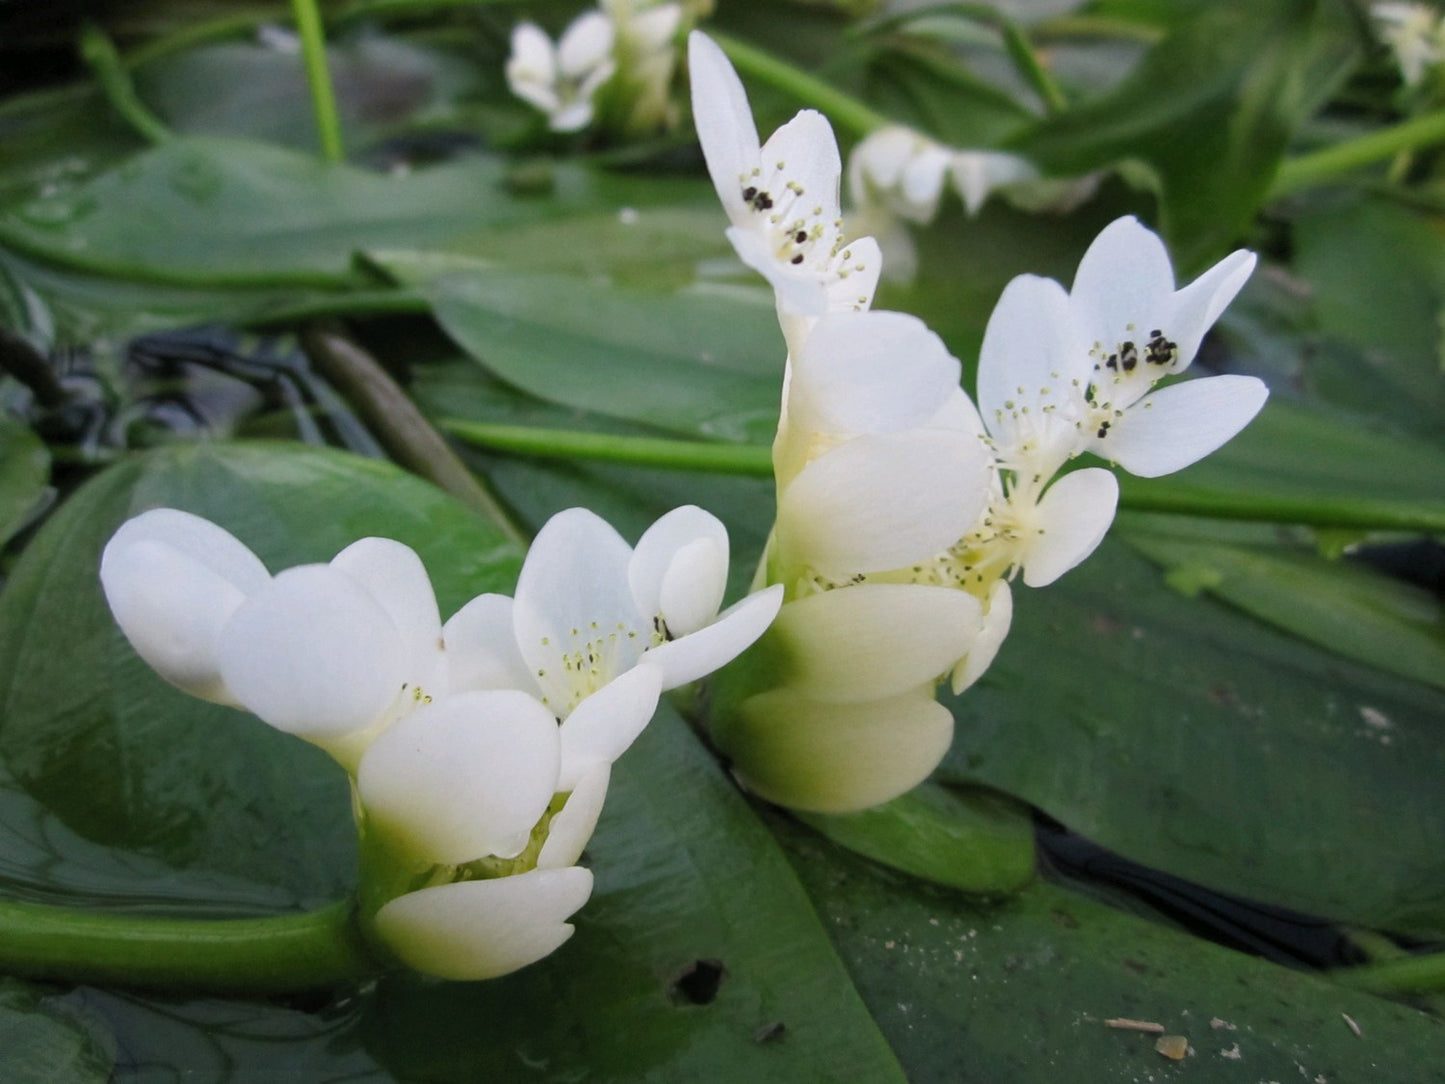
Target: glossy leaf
1023	991
971	840
1343	607
1191	738
24	476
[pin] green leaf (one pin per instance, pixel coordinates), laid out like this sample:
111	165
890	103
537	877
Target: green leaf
24	476
700	363
1343	607
119	784
697	945
44	1039
248	214
970	839
1021	992
1191	738
1376	270
1209	111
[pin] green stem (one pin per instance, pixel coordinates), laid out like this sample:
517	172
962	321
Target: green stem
323	100
1323	166
842	109
745	459
1143	495
1363	513
403	430
1409	975
251	955
100	54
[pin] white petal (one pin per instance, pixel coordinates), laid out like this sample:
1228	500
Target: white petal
679	569
572	825
1182	423
1031	343
870	372
481	647
724	120
604	725
532	67
837	758
993	628
713	646
879	503
313	654
1124	278
173	580
585	44
1198	305
572	118
464	777
394	576
876	164
804	151
1069	523
653	29
922	184
483	929
872	641
856	278
799	290
573	583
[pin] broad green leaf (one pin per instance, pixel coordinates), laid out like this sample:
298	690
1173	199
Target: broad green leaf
1208	111
1376	270
968	839
1021	992
1191	738
250	214
133	780
24	475
695	362
1360	613
697	958
43	1038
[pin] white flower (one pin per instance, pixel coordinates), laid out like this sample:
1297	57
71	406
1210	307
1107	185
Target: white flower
782	197
1416	35
332	653
465	784
1139	329
597	629
878	457
562	80
976	174
900	169
646	55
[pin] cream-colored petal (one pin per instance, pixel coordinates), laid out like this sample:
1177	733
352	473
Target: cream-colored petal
483	929
872	641
1068	524
572	825
464	777
394	576
724	121
1180	424
993	628
837	758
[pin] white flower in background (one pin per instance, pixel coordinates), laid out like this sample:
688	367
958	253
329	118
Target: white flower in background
563	79
1416	35
781	197
646	53
1138	329
900	169
977	174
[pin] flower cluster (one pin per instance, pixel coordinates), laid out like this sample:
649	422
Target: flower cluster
617	61
898	175
480	749
1415	34
904	512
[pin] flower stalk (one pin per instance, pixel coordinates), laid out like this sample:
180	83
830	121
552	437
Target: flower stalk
323	98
